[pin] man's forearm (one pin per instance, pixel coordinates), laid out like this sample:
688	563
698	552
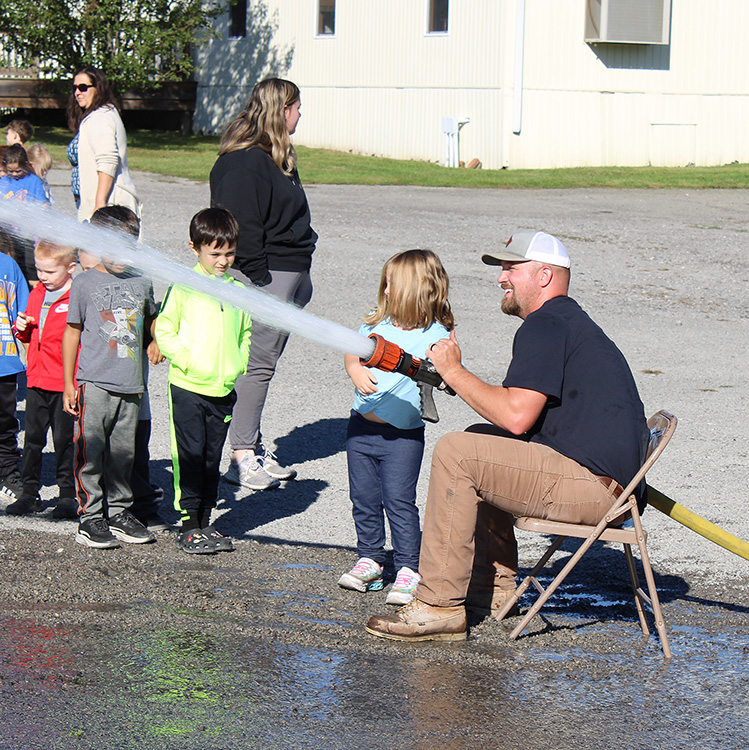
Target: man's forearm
512	409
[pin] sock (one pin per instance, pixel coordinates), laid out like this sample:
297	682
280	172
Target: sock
190	522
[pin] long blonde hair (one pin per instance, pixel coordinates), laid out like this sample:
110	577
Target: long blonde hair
262	123
417	288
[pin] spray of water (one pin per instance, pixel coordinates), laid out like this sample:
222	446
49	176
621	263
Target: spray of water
27	219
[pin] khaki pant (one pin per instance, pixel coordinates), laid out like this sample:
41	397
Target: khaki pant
478	483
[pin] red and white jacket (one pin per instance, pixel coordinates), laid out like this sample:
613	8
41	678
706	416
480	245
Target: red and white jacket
44	357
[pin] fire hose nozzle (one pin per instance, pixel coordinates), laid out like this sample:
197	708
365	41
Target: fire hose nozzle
391	358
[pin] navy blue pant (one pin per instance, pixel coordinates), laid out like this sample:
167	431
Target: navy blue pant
383	469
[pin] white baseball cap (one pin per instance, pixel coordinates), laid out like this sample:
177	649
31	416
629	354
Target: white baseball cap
529	245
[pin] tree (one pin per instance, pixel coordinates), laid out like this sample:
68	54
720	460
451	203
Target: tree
139	44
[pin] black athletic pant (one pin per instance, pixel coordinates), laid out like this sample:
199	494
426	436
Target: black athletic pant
44	410
199	427
9	452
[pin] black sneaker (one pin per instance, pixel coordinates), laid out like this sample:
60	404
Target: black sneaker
66	507
126	527
25	505
94	532
11	486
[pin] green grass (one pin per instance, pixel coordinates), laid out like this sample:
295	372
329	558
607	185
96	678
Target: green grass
192	156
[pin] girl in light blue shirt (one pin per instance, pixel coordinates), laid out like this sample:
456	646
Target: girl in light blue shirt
385	438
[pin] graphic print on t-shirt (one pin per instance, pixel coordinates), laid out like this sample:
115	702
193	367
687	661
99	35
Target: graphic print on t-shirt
121	317
7	338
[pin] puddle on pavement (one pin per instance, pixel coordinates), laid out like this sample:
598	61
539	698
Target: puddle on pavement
173	689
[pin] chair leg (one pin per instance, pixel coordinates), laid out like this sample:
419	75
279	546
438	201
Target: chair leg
660	624
552	587
530	578
636	587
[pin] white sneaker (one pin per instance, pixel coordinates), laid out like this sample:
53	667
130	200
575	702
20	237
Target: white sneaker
267	459
366	575
404	588
250	474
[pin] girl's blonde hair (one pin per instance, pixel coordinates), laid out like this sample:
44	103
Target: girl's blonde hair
63	254
417	287
262	123
40	158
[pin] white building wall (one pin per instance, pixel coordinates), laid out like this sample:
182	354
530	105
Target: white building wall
381	85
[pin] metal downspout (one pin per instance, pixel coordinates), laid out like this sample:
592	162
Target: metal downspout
517	113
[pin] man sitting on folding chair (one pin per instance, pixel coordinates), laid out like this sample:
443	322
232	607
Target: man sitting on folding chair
567	432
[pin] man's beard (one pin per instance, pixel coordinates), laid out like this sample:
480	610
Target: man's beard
509	304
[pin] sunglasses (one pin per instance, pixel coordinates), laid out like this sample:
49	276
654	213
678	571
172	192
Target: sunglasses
83	87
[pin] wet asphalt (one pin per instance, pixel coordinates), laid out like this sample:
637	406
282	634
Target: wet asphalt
145	647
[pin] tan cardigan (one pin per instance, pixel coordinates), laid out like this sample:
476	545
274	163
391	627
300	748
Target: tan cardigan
102	147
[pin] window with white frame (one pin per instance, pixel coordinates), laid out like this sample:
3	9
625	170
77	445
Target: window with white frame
238	19
437	12
325	17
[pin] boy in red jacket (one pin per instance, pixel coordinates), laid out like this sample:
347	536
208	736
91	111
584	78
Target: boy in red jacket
41	327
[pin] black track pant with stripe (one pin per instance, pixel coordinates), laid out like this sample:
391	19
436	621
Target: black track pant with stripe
198	431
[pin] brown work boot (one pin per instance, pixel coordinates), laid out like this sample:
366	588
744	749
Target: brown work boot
418	621
489	602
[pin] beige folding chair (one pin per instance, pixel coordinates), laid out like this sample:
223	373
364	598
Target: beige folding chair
662	426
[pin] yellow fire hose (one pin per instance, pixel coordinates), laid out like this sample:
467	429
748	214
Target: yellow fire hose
697	523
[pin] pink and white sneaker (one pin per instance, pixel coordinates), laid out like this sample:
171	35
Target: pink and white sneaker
404	588
366	575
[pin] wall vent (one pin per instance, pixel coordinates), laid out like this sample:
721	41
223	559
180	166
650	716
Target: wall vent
628	21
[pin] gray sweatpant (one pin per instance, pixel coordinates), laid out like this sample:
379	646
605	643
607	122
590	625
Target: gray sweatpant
266	347
104	450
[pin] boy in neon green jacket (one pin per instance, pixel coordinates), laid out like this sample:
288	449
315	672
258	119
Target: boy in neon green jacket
207	344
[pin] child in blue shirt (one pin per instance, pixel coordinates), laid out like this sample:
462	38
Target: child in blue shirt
385	439
20	182
14	294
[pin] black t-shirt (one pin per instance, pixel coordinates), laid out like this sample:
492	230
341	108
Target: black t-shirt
593	414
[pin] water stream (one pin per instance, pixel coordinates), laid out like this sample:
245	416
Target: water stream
29	220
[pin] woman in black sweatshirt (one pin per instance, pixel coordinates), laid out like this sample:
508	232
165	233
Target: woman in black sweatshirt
255	178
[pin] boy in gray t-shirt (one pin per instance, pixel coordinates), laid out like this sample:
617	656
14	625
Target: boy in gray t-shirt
107	315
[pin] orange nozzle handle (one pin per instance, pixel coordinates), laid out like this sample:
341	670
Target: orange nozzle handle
386	355
390	357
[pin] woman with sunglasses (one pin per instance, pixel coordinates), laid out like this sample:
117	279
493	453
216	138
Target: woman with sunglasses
98	152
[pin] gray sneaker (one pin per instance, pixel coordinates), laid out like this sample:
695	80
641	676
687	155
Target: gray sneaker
270	463
250	474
